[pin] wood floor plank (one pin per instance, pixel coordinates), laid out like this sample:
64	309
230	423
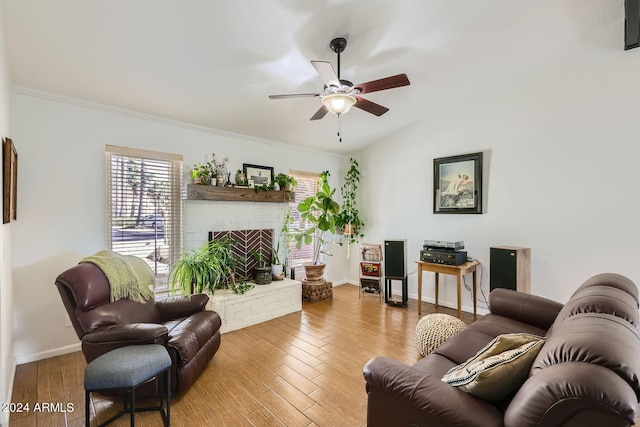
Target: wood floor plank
307	371
302	369
50	387
295	379
324	417
286	412
262	417
291	394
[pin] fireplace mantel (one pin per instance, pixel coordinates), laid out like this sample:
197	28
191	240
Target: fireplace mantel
234	194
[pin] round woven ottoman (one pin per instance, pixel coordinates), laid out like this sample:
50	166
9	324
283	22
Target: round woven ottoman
434	329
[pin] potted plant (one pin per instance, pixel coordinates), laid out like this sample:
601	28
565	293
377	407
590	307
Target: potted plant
320	212
348	219
219	169
205	269
276	265
286	239
286	182
201	173
262	274
241	178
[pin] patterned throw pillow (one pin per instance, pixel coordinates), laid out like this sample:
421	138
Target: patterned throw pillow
498	369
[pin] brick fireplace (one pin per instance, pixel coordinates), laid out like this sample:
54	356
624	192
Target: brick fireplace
255	225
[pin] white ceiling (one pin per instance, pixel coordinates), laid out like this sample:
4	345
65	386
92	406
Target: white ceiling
213	63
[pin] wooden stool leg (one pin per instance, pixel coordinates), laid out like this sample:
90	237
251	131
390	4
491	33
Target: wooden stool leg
87	412
133	407
459	296
168	374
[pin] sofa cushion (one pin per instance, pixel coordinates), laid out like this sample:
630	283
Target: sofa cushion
612	280
498	369
601	299
594	338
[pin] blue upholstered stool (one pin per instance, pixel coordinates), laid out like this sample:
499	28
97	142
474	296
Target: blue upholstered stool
127	368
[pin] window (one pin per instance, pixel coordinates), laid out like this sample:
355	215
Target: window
144	207
307	186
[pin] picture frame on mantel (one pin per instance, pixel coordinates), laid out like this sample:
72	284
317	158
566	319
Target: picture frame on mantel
261	175
10	181
457	184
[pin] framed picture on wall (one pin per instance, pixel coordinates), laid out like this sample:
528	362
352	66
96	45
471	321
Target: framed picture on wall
457	184
261	175
10	180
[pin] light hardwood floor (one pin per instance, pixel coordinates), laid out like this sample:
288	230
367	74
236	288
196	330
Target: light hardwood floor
304	369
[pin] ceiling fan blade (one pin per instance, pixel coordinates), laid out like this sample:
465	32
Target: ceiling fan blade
383	84
320	113
370	107
326	72
294	95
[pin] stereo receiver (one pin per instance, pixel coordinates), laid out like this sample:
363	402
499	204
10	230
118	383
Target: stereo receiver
443	257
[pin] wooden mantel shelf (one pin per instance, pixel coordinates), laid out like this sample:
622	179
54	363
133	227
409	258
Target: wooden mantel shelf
233	194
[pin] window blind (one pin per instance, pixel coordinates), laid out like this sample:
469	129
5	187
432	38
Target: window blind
144	207
307	186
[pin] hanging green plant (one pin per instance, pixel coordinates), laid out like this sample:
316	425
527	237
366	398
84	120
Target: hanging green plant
348	219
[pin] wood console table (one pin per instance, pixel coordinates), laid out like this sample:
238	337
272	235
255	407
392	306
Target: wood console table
456	270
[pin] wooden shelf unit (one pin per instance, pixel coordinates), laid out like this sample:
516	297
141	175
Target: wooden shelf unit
370	269
235	194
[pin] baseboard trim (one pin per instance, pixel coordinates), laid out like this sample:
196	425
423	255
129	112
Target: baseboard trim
342	282
49	353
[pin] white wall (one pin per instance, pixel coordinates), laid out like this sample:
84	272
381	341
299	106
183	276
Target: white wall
7	361
561	171
62	198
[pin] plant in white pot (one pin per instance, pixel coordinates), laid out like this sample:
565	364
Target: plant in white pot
276	264
320	212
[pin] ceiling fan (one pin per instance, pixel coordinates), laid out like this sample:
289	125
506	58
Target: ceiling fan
340	95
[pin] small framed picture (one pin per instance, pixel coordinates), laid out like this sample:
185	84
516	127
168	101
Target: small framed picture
10	180
250	183
457	184
261	175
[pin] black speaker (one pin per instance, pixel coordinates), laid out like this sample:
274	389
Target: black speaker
631	24
510	268
395	258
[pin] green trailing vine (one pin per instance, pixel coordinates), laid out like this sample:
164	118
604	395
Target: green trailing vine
349	214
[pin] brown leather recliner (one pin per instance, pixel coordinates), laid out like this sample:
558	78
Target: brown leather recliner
189	332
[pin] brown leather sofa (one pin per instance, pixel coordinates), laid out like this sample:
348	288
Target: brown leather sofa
189	332
587	372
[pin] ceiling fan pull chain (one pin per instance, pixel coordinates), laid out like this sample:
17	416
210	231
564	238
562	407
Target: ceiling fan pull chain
339	128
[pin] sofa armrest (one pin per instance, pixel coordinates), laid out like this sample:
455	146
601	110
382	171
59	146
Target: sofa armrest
177	307
582	394
531	309
399	388
109	338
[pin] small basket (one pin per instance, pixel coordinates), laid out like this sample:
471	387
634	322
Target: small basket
371	252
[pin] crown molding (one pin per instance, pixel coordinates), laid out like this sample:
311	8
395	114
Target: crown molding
22	90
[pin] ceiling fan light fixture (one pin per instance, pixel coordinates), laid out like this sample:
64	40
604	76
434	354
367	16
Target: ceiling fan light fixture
338	103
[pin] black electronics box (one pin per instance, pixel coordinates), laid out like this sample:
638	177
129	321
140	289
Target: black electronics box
444	257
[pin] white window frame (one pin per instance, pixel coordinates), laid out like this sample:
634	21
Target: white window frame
172	222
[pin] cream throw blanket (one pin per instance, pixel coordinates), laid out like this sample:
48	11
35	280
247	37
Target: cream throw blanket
129	276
